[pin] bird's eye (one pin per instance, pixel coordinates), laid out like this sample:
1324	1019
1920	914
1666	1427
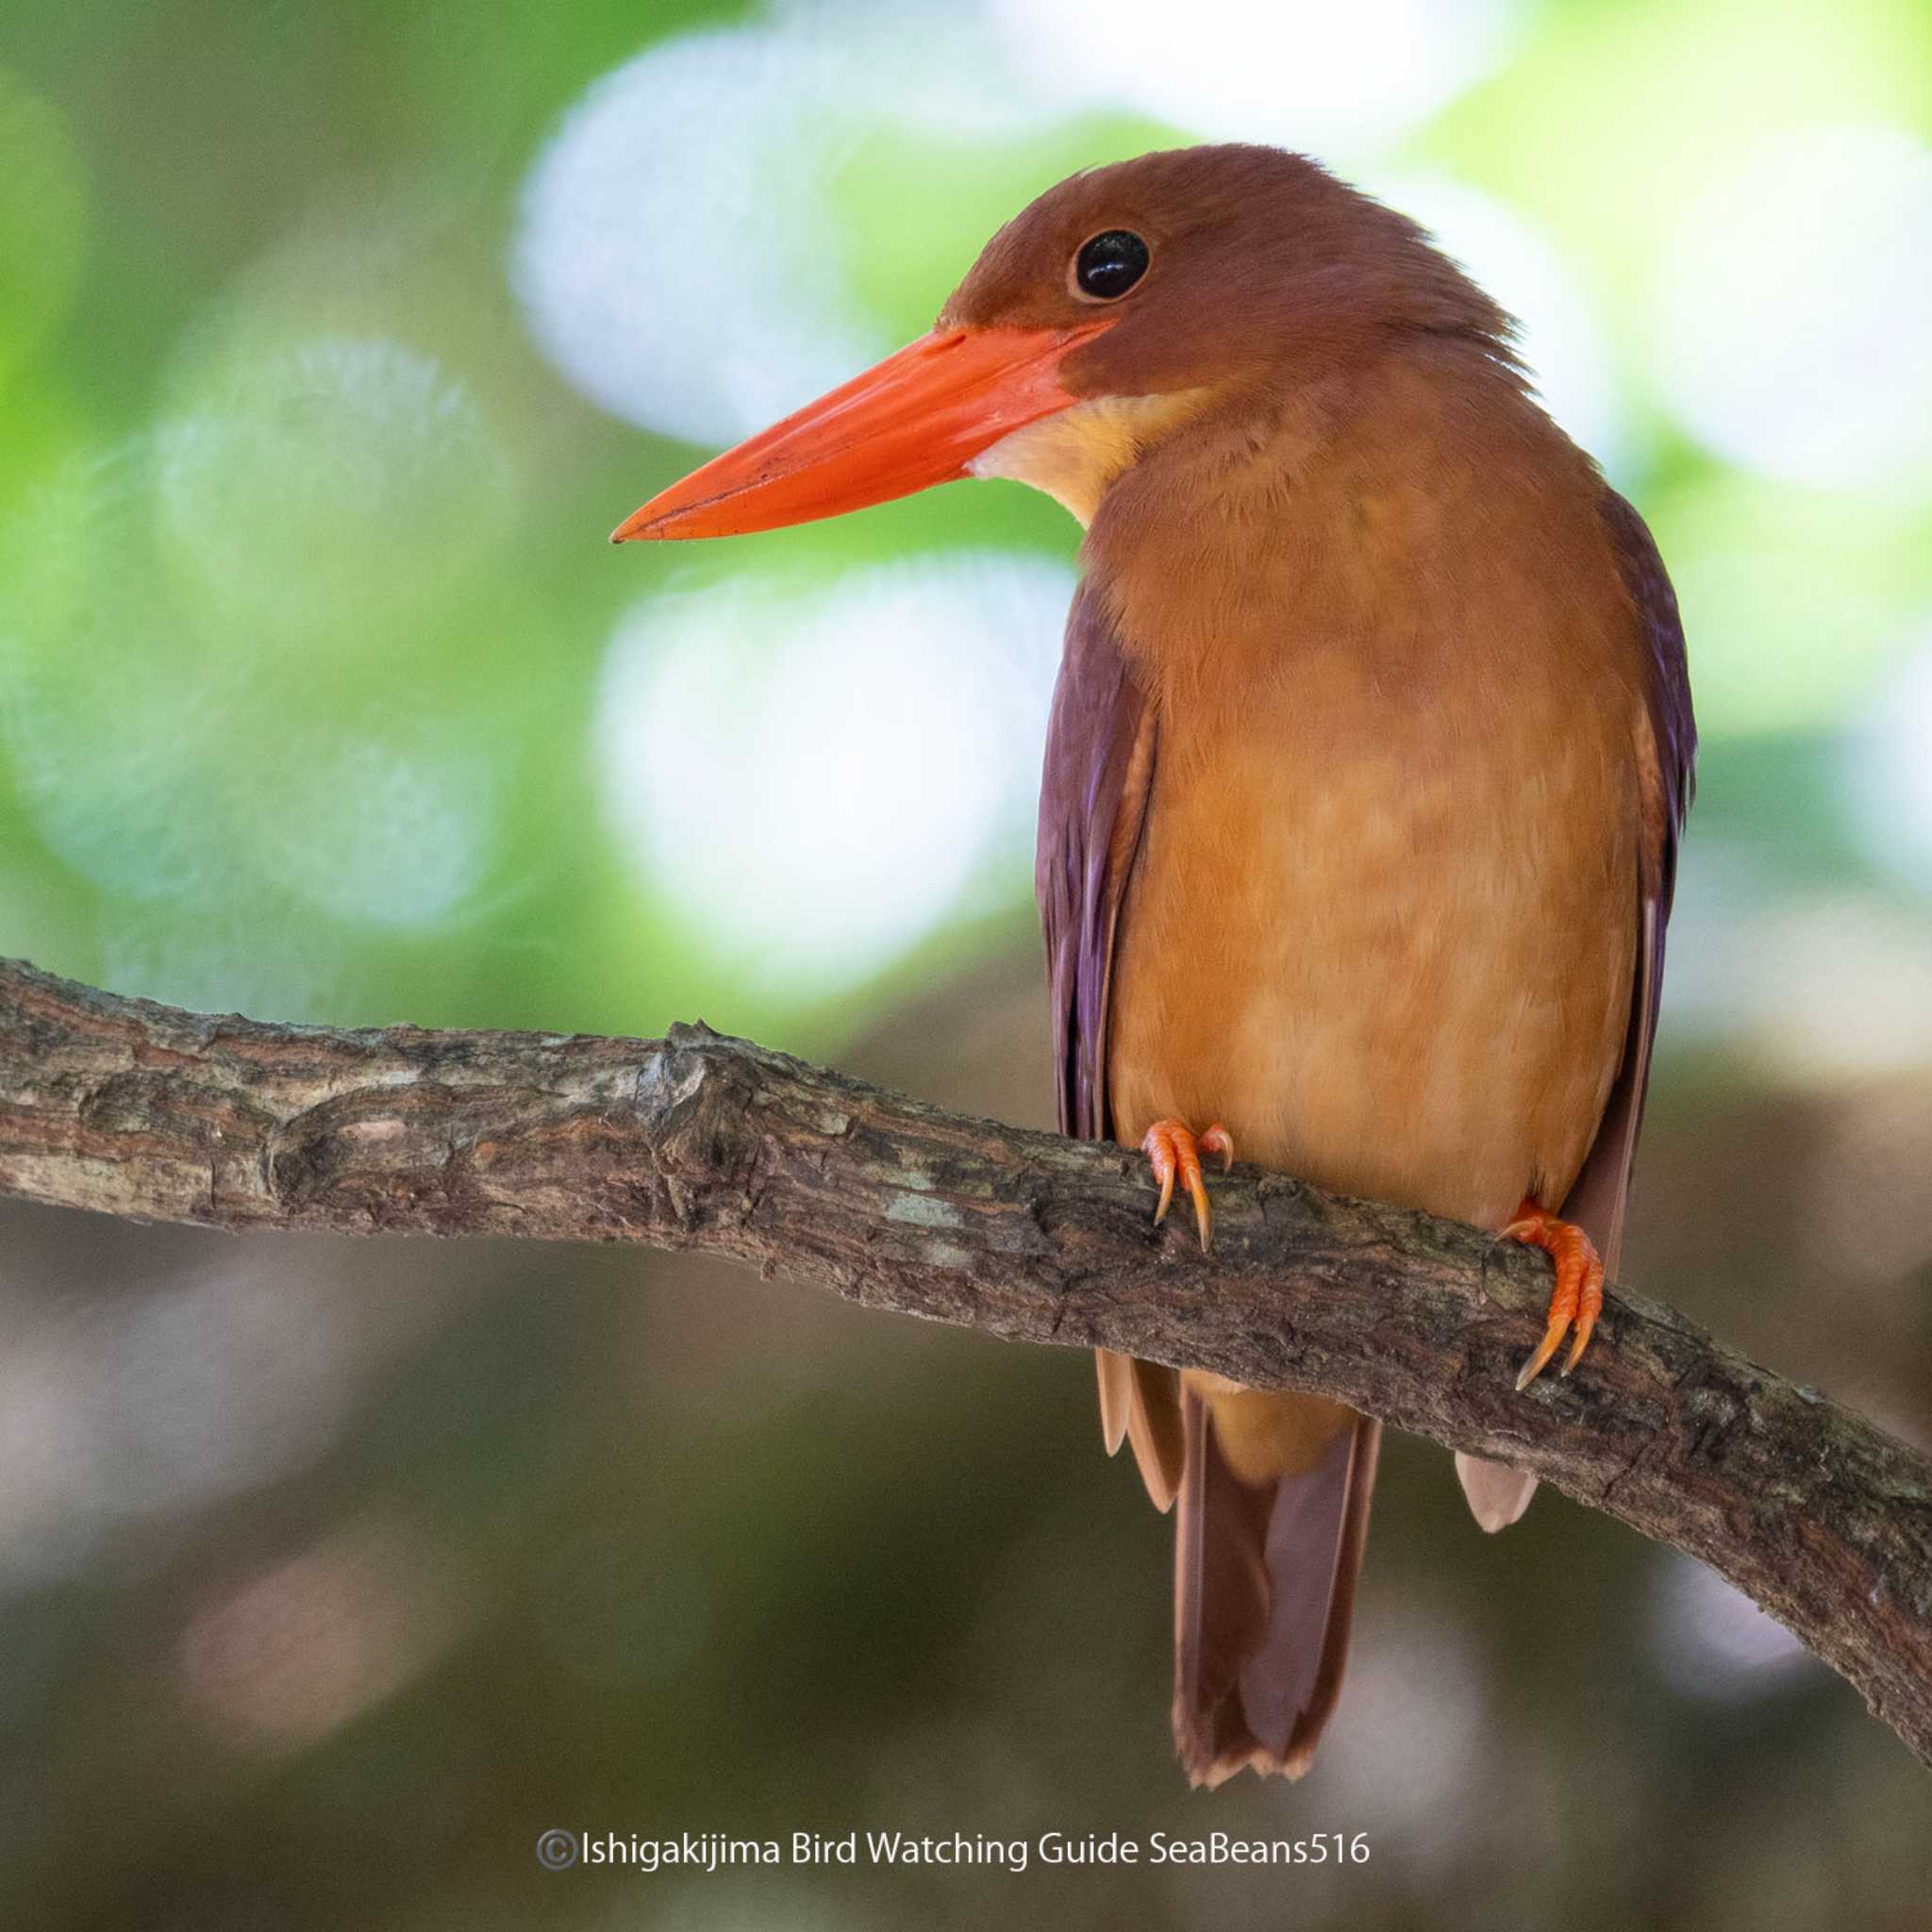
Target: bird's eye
1108	266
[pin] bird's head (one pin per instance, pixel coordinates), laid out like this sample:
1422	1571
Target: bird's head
1121	306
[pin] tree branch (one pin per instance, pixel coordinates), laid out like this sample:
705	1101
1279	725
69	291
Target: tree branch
698	1141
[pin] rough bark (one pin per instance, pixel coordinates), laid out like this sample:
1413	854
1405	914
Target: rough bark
699	1141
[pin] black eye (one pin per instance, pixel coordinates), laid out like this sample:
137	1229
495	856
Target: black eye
1110	265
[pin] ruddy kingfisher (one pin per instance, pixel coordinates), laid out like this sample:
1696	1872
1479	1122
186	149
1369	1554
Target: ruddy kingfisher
1364	780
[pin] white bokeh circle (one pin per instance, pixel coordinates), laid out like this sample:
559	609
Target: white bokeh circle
1302	74
340	477
1710	1641
1791	318
672	255
395	829
813	774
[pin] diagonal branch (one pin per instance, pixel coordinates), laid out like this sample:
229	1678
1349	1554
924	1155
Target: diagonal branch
698	1141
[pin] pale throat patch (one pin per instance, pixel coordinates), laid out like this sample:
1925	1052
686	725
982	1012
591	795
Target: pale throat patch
1074	455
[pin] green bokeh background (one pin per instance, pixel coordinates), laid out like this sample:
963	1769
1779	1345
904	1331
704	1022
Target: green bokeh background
330	1575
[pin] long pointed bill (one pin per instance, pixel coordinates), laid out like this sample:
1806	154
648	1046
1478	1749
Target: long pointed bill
916	419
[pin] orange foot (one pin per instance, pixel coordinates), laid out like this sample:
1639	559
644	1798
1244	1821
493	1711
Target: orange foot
1579	1294
1171	1146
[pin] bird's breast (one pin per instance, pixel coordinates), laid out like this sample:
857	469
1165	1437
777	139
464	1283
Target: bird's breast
1386	937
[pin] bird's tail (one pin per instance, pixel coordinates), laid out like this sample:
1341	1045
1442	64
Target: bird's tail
1274	1514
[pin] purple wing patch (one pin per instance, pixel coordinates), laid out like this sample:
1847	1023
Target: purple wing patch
1090	770
1596	1202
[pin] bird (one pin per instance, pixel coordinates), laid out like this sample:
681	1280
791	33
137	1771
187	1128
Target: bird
1365	778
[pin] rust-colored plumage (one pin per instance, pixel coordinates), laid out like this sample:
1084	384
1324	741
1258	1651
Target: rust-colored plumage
1363	786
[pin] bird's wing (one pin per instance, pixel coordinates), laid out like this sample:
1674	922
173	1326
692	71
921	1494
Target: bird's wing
1093	804
1497	1494
1596	1200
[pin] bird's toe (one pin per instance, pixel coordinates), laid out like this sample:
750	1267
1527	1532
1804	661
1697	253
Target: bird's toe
1578	1297
1172	1147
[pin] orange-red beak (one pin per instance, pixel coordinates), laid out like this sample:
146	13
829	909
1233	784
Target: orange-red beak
916	419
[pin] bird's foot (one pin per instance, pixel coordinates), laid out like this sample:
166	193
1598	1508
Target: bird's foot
1579	1292
1172	1146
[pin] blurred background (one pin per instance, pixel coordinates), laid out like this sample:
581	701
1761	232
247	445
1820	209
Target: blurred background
334	338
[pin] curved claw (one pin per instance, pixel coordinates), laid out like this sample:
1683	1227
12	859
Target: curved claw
1171	1146
1578	1297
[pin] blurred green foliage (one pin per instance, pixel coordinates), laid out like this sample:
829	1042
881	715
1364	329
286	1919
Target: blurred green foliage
304	603
307	628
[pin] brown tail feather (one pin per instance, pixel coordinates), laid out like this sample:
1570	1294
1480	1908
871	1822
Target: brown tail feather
1264	1589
